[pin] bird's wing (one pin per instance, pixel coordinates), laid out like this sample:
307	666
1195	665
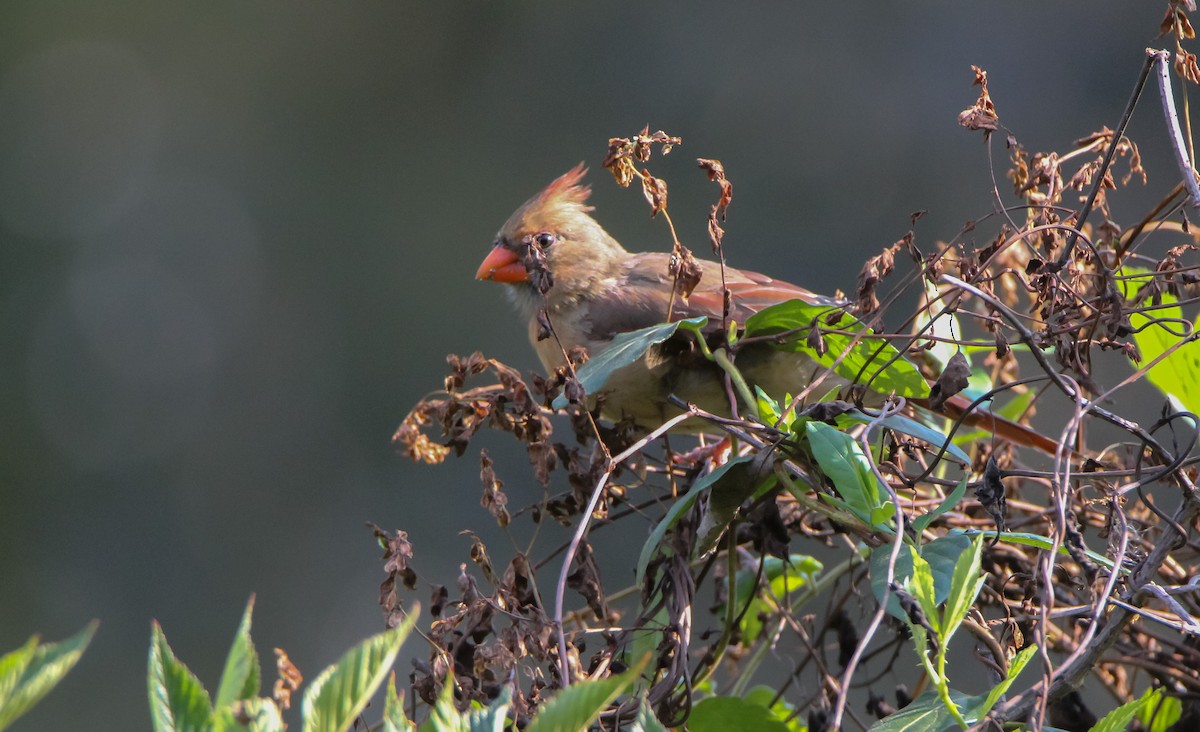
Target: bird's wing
641	295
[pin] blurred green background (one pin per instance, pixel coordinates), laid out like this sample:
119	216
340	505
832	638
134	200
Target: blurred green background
238	238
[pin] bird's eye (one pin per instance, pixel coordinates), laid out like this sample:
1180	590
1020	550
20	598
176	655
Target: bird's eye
545	239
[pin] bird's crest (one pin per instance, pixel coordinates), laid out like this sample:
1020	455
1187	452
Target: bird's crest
558	206
566	189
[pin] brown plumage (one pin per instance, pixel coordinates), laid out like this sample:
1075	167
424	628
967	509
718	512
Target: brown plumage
600	290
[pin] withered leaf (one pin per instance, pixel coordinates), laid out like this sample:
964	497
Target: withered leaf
990	494
655	191
954	379
289	679
494	499
981	115
685	269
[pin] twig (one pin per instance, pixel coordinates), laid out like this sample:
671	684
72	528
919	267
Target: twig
560	587
1108	157
1173	130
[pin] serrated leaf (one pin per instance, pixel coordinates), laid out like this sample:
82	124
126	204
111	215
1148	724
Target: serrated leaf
843	462
922	522
260	715
721	713
242	677
678	509
646	720
864	360
178	701
577	706
1118	719
30	672
394	718
1160	717
624	350
341	691
493	716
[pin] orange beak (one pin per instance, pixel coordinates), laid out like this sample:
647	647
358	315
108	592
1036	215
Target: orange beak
502	265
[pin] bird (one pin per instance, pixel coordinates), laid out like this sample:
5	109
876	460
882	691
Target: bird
563	267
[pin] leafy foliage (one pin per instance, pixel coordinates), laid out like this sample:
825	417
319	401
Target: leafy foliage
953	465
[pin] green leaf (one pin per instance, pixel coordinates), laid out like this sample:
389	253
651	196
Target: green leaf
492	717
178	701
926	713
911	427
843	462
1036	540
242	677
678	509
922	522
1159	717
741	481
646	720
262	715
865	360
1175	374
30	672
341	691
394	718
783	578
783	711
945	326
444	716
722	713
580	704
921	586
941	554
625	349
1015	667
965	584
1118	719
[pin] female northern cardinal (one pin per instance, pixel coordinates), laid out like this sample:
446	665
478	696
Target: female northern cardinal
598	290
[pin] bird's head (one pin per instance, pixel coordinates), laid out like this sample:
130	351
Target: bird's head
552	241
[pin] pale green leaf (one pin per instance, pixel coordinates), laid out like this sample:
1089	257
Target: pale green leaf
341	691
242	677
1118	719
867	360
29	673
646	720
843	462
922	522
624	350
580	704
178	701
260	715
722	713
394	717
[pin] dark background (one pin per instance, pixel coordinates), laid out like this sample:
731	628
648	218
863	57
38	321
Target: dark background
237	240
